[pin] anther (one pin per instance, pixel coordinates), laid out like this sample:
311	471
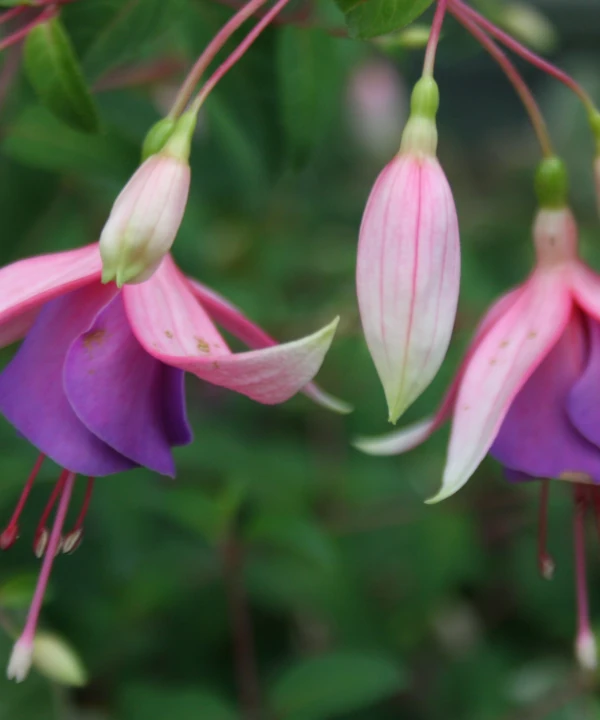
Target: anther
546	563
40	538
74	538
10	534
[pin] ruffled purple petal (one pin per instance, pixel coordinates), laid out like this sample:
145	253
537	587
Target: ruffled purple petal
537	437
32	396
583	402
122	394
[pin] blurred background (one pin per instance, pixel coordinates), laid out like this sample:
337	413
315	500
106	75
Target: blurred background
284	575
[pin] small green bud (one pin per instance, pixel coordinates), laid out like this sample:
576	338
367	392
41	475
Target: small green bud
157	137
425	98
57	660
420	133
594	120
179	142
551	183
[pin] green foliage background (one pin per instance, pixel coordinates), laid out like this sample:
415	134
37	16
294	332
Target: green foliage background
365	604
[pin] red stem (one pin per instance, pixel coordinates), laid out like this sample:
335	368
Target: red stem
527	98
525	52
22	32
434	37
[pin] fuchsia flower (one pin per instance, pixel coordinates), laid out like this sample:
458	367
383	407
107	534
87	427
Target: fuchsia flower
527	391
408	265
97	385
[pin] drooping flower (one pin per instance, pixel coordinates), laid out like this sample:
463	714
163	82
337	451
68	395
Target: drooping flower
408	265
146	216
97	384
527	391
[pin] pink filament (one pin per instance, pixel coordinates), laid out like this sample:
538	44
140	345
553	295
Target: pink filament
22	32
238	52
53	543
545	560
25	494
583	614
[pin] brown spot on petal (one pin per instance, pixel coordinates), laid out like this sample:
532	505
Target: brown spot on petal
93	338
169	334
201	344
216	365
576	477
466	407
504	343
493	361
532	335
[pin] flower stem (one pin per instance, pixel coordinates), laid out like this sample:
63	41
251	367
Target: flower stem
237	53
241	627
434	37
200	66
531	106
48	13
525	53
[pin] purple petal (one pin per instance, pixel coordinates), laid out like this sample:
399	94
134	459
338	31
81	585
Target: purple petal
175	416
119	391
32	397
514	476
583	402
537	437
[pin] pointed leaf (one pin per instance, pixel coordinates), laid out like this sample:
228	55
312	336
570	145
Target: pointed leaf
54	72
368	18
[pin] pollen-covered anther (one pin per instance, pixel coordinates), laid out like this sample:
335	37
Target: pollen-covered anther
72	541
9	537
40	542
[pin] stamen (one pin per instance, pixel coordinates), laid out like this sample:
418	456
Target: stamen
585	643
546	562
22	655
73	539
40	538
11	533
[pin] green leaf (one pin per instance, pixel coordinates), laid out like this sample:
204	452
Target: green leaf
306	63
53	70
114	32
18	591
37	138
326	687
293	534
368	18
149	702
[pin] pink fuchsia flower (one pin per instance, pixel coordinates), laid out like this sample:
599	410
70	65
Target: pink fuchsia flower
527	391
97	384
146	216
408	265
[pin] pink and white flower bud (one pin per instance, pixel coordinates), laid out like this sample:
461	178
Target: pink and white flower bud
408	266
146	216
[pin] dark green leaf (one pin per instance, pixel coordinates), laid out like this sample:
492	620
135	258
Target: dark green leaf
325	687
307	79
149	702
54	72
37	138
18	591
368	18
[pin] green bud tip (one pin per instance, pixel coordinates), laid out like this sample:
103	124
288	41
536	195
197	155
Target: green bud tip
180	141
425	99
551	183
594	119
157	137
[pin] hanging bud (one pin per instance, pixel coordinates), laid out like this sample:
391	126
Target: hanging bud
408	266
146	216
57	660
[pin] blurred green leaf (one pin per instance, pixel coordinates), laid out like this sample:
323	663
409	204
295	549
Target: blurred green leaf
292	534
113	32
54	72
308	87
325	687
151	702
18	592
369	18
37	138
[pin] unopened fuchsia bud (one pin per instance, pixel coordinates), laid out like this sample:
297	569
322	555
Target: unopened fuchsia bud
146	216
408	267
